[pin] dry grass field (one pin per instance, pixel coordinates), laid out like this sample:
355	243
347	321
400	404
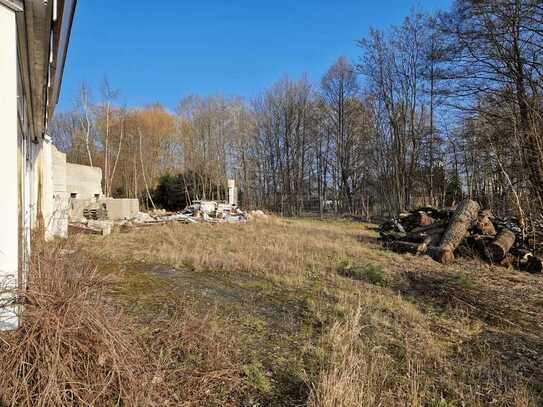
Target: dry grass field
307	312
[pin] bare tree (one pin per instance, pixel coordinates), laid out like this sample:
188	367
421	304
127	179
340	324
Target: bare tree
108	97
84	104
340	91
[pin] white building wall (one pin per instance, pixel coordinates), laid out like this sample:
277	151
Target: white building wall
9	234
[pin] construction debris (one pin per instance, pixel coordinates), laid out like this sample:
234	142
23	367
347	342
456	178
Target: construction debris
213	212
445	234
93	227
198	212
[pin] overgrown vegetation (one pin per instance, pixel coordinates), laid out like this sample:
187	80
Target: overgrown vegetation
71	349
276	312
301	312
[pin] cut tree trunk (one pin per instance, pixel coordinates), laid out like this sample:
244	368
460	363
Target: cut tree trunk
420	218
498	249
438	226
392	236
479	243
435	252
408	247
434	235
464	217
535	265
484	224
508	260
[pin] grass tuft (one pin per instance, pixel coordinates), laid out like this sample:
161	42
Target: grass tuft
369	273
257	378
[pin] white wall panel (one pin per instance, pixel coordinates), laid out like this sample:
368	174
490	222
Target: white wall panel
9	231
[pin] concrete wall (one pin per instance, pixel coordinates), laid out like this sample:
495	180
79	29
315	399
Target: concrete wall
83	180
58	205
119	209
86	182
59	171
78	206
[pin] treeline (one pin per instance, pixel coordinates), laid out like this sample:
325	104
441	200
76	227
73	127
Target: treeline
440	108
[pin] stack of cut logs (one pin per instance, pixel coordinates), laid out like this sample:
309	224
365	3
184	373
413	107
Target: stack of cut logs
444	234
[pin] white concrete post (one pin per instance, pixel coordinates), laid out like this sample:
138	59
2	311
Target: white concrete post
9	208
232	192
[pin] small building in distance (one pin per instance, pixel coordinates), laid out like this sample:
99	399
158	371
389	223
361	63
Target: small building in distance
77	195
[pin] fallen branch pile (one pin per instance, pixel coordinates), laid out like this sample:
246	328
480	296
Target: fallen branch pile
445	234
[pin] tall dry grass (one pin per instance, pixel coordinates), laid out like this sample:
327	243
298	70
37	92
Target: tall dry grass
375	354
70	349
195	361
384	353
356	373
276	249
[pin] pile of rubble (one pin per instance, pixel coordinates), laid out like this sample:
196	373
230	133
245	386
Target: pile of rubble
199	211
444	234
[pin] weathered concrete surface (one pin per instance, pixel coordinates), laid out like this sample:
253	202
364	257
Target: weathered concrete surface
116	209
59	170
57	219
119	209
84	181
103	226
232	193
77	206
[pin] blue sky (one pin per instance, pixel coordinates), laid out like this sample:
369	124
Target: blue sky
161	51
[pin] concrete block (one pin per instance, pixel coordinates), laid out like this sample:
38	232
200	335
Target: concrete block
105	227
119	209
77	207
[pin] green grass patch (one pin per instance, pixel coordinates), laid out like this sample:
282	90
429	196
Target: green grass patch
463	281
257	378
370	273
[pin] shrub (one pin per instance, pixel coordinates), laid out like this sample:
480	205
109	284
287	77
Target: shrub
69	349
